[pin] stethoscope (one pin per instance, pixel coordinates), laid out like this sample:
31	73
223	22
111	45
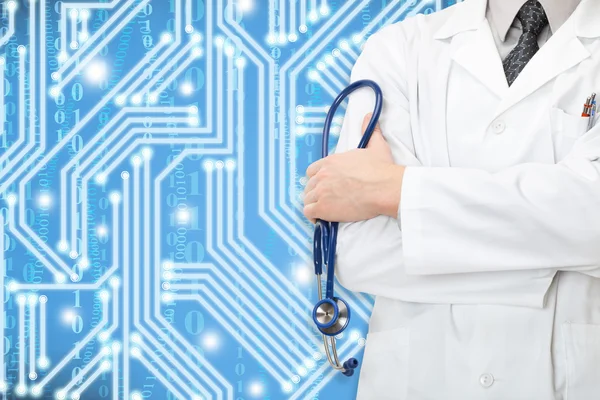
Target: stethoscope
332	314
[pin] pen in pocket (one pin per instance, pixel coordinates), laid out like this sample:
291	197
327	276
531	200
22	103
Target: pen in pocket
589	110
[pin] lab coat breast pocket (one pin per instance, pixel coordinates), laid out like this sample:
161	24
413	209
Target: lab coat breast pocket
582	350
566	129
384	370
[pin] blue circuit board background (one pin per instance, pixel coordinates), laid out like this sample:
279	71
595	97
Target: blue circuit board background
151	164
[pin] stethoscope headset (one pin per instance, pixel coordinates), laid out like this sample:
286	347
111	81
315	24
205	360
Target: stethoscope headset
332	314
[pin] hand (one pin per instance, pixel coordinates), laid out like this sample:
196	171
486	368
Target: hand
356	185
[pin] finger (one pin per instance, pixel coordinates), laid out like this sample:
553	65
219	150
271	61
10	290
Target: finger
366	121
314	168
310	197
312	183
377	139
310	212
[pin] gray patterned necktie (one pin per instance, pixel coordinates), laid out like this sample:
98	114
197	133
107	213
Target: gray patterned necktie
533	20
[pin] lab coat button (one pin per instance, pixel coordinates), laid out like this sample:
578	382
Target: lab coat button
499	127
486	380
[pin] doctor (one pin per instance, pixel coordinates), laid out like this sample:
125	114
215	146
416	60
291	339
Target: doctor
474	215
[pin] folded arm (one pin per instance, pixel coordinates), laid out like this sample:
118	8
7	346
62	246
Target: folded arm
530	216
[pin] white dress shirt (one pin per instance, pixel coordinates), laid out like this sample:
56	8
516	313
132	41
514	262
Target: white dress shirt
507	29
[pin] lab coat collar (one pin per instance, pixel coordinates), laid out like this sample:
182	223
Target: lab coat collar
473	48
467	16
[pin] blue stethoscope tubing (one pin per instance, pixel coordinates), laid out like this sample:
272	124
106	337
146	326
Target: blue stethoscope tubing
332	314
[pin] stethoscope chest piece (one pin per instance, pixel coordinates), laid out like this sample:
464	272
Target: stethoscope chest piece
331	316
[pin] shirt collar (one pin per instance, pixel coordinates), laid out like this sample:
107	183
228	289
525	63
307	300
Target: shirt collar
502	13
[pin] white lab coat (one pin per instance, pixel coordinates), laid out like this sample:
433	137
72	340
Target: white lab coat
487	286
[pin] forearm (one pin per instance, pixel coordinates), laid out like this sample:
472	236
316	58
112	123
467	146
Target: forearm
386	199
370	260
530	216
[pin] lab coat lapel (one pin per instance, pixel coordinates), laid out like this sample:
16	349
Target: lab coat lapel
439	140
463	30
472	45
563	51
476	52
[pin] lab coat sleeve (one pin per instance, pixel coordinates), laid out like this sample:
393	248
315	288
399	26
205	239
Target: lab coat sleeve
359	243
382	61
529	216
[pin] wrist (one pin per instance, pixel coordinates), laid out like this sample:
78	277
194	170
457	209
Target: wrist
388	197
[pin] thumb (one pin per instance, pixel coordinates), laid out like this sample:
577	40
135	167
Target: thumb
377	140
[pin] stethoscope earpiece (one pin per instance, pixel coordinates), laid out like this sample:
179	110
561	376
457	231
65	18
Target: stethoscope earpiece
349	366
332	314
